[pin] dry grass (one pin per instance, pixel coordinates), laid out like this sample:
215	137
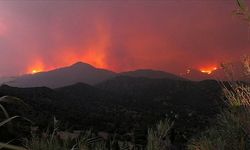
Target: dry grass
13	100
242	11
158	138
231	131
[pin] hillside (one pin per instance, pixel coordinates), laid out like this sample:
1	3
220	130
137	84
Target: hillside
153	74
194	94
78	72
121	104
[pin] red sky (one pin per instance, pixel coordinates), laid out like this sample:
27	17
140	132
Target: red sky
166	34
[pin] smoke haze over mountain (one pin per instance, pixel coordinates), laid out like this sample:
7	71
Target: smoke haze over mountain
117	35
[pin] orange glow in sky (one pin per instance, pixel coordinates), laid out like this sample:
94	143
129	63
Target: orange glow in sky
36	67
67	58
120	36
36	70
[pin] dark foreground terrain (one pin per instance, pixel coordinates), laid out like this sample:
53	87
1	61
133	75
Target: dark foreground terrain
127	106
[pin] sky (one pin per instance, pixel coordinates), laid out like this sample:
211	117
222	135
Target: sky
169	35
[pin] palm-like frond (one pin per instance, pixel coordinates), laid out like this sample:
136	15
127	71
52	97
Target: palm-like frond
241	4
13	100
11	147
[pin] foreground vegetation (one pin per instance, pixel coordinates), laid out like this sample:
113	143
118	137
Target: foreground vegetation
158	138
232	128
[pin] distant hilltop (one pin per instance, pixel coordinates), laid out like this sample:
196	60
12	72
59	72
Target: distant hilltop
86	73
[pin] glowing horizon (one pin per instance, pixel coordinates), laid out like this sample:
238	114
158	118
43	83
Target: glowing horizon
119	36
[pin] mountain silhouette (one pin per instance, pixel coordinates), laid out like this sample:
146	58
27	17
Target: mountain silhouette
81	73
78	72
153	74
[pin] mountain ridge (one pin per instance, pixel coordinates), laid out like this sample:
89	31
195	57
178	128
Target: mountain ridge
84	73
78	72
150	73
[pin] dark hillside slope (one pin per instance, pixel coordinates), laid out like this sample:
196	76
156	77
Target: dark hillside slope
122	104
154	74
198	95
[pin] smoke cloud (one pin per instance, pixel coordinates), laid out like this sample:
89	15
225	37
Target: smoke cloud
118	35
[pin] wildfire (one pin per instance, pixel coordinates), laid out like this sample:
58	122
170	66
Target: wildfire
208	70
93	52
36	67
67	58
95	58
34	71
